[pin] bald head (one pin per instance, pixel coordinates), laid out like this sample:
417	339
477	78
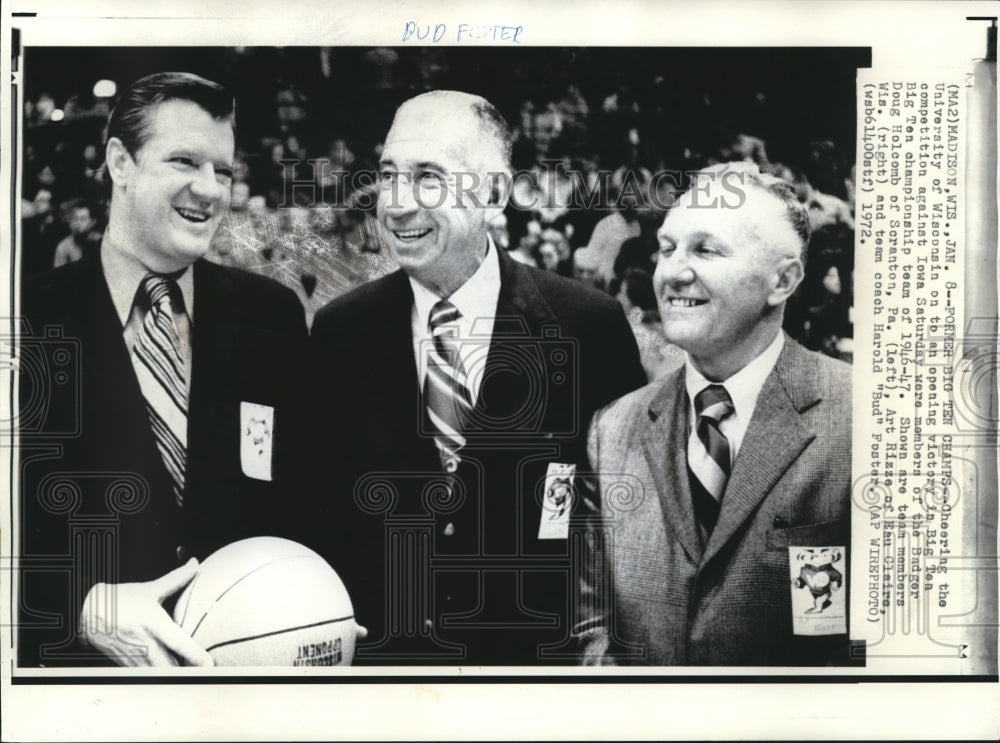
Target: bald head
474	123
748	178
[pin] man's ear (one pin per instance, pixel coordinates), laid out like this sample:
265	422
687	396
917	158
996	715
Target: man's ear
789	274
118	161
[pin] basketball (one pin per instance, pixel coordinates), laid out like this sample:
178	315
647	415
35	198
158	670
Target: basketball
267	601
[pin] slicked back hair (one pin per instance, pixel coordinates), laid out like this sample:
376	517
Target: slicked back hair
129	120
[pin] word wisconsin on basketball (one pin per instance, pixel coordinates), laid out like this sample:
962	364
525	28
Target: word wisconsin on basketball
327	653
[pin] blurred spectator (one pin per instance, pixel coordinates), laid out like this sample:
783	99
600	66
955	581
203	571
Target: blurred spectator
291	105
83	239
39	111
555	192
547	256
241	168
93	162
828	312
358	227
240	196
233	229
524	235
636	295
823	170
45	176
612	231
86	106
40	233
270	173
498	231
745	147
824	209
556	121
619	114
850	187
779	170
665	190
526	250
88	176
638	252
333	173
564	253
585	268
631	182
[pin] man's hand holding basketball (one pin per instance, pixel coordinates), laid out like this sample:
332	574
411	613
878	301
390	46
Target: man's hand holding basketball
127	622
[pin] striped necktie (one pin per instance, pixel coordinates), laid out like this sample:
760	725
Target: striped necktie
446	393
712	405
159	367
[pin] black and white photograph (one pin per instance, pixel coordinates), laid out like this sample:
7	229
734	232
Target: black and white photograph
461	356
419	478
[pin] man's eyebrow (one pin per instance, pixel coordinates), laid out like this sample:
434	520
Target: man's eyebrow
417	166
698	235
429	165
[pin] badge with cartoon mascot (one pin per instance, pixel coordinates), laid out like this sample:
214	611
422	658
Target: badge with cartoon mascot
819	590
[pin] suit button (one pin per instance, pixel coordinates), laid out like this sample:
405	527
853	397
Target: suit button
449	529
779	522
182	553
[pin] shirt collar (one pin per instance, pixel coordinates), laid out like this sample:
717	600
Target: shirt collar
124	273
477	297
745	385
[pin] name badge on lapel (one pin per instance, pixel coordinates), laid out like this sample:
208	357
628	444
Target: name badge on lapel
557	502
819	590
256	440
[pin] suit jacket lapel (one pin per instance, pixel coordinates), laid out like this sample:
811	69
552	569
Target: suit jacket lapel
518	292
111	386
521	312
102	336
214	339
775	438
394	364
665	443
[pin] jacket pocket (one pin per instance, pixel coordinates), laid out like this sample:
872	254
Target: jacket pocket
826	534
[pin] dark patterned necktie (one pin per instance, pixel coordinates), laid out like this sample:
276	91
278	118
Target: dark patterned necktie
446	390
159	367
712	405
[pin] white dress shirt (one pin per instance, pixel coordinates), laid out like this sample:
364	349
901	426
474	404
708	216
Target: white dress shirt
744	388
476	300
123	274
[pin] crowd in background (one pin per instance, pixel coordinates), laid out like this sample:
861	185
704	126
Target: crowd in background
587	202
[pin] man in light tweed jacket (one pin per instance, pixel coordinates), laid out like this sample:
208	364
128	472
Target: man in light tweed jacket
705	479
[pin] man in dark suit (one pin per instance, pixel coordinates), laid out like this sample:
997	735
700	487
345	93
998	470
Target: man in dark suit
153	443
455	398
715	482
